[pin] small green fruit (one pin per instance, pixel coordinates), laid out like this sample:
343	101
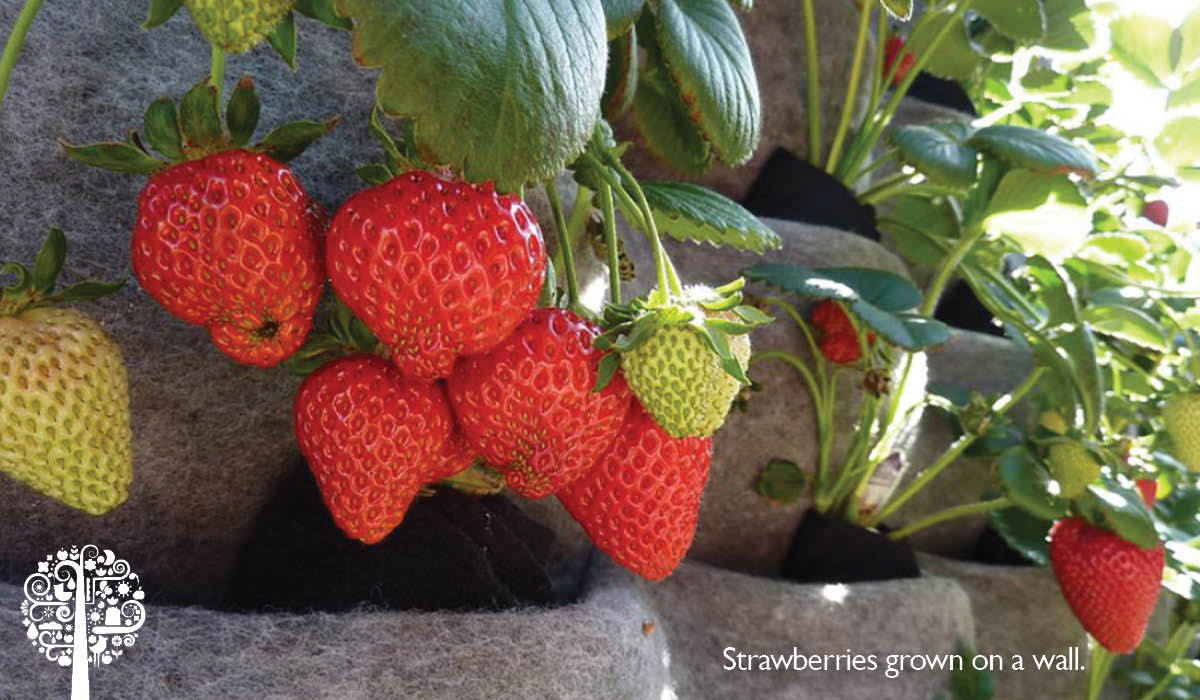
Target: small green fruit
236	26
681	382
64	427
1182	417
1073	467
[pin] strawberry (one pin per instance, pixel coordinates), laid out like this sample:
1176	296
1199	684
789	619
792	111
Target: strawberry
893	47
839	339
436	268
1181	416
236	26
528	408
841	348
641	500
1156	211
64	391
371	438
455	456
1073	467
1111	584
1149	490
830	318
225	236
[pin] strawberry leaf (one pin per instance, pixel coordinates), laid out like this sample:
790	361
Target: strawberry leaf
49	262
1121	510
621	81
900	9
1024	532
707	55
937	155
161	11
322	11
160	126
689	212
503	90
241	115
663	119
283	39
288	141
200	117
1034	150
1027	484
619	15
1023	20
781	482
118	157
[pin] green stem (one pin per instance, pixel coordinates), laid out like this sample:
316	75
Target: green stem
888	157
800	367
668	279
860	46
16	39
1156	688
580	210
812	101
803	325
956	449
610	240
1098	667
844	486
934	293
887	188
881	34
889	110
216	71
823	500
564	242
950	514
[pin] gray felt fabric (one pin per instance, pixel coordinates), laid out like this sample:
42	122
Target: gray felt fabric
597	648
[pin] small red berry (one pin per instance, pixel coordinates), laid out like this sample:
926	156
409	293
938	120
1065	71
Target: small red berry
1149	491
894	45
1156	211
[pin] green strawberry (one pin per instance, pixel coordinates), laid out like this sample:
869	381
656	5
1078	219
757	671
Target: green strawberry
64	427
1182	417
236	26
681	382
1073	467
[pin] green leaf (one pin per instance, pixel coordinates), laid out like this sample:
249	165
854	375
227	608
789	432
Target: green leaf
288	141
283	39
689	212
1142	44
1028	484
620	84
899	9
1189	41
1179	142
1022	20
160	127
49	262
1120	510
781	482
937	155
199	116
609	364
955	57
667	128
503	90
88	291
1070	25
1043	213
1115	248
1034	150
374	173
161	11
242	112
1025	533
118	157
619	15
1185	95
969	683
707	55
1127	323
873	295
322	11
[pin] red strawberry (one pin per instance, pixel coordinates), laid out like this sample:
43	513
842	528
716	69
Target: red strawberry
456	455
841	349
370	436
231	242
1149	491
1110	583
893	47
640	502
839	341
829	316
436	268
528	407
1156	211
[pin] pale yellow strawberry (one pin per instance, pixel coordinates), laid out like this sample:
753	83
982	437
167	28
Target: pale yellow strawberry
64	408
236	26
1073	467
1181	414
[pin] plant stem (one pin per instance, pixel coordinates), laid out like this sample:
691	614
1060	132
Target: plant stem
579	211
799	366
610	240
1098	667
812	101
1000	407
860	46
16	39
938	285
887	188
949	514
889	110
668	280
808	336
216	71
886	158
823	495
564	242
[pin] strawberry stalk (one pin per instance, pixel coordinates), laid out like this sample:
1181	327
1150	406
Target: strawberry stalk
813	75
949	514
564	245
839	136
217	70
1098	668
610	240
16	39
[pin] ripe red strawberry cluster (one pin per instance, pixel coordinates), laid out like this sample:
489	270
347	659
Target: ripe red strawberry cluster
447	274
839	339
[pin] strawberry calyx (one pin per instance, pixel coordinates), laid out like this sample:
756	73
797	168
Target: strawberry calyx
193	129
707	312
346	334
399	157
34	288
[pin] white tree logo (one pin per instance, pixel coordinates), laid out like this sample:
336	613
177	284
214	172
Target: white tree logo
82	607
